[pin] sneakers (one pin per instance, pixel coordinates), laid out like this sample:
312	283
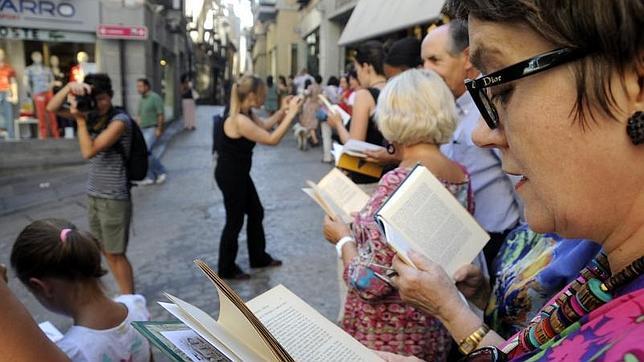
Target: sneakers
145	182
161	178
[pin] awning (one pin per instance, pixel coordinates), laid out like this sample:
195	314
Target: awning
372	18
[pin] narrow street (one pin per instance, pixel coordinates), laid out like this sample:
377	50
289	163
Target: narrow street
181	220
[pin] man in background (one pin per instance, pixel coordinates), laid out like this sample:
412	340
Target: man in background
151	119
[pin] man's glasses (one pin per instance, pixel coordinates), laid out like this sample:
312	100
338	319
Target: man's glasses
516	71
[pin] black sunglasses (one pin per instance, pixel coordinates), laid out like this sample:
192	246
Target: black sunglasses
516	71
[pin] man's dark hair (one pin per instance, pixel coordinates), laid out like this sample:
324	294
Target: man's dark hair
459	38
610	31
144	81
404	53
371	53
318	78
100	82
269	81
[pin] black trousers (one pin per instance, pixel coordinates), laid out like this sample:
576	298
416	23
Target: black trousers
240	198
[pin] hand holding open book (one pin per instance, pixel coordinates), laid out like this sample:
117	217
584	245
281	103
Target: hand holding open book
422	215
337	195
275	326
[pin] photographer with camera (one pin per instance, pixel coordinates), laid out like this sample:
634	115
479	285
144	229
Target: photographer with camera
105	137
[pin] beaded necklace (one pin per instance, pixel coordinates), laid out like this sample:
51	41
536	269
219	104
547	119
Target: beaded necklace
589	291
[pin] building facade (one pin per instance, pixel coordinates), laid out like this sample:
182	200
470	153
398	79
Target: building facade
68	29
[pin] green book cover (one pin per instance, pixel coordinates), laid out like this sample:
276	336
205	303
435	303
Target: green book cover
185	345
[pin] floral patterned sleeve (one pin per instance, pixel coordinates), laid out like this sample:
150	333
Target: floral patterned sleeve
373	251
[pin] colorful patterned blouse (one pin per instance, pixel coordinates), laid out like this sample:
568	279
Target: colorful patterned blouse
374	313
612	332
530	269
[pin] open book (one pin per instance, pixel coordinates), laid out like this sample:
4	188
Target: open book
337	195
351	156
275	326
422	215
346	117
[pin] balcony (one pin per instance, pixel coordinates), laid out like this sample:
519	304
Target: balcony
266	10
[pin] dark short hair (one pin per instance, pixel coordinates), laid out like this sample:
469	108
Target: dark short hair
39	252
145	81
333	80
269	81
371	53
609	30
318	78
100	83
458	35
404	52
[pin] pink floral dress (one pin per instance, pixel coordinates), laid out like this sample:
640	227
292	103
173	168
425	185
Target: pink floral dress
374	313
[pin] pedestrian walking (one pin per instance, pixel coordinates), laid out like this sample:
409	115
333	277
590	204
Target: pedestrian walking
151	119
188	105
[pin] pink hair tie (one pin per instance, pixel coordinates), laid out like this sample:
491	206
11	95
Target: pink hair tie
64	233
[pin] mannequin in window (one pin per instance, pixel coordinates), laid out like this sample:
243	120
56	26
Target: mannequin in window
8	97
39	82
60	79
83	68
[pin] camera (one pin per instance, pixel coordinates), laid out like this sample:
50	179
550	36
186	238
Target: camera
85	103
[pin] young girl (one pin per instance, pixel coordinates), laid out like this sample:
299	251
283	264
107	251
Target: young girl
61	266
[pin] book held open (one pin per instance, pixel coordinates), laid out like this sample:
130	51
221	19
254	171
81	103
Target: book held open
337	195
351	157
422	215
275	326
346	117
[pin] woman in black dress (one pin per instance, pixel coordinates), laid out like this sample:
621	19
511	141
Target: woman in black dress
238	135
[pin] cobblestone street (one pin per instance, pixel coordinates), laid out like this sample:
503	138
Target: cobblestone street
181	220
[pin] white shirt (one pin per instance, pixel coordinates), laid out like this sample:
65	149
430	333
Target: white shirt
121	343
496	205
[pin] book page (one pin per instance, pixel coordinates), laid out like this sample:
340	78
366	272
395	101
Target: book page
326	202
428	217
344	193
346	117
304	333
357	148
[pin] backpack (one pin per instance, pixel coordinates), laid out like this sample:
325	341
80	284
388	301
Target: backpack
136	163
217	131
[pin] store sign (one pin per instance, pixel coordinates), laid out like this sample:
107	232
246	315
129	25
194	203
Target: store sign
45	35
134	32
79	15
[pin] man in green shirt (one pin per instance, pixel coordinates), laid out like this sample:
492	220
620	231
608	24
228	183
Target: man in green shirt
150	116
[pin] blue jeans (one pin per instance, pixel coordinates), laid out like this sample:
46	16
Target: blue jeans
155	168
6	114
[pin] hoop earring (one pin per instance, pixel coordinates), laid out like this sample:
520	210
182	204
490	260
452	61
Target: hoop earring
635	128
391	149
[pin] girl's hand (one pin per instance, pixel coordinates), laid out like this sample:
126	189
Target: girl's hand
335	230
383	157
294	105
285	103
333	119
428	287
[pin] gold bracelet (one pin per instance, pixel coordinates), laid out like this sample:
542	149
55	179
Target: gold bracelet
472	341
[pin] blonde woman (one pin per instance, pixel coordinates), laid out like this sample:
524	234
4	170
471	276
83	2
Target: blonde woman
237	137
416	113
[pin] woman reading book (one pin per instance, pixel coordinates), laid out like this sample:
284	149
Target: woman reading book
369	65
416	112
237	137
562	98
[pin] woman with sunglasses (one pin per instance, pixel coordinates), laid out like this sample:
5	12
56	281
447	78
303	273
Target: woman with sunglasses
561	97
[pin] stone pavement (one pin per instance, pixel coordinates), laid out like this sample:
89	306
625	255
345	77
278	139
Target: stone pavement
181	220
